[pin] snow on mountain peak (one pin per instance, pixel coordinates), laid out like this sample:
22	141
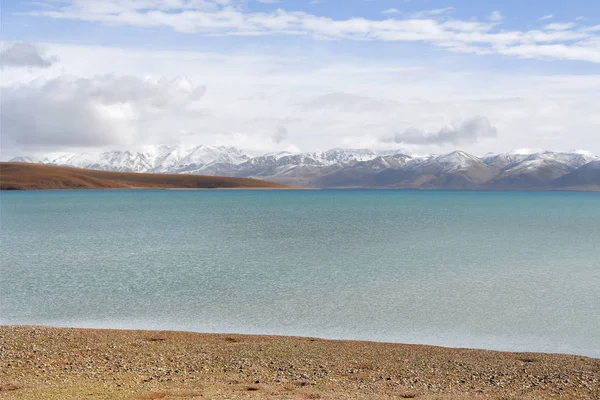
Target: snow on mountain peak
524	152
455	161
277	155
586	154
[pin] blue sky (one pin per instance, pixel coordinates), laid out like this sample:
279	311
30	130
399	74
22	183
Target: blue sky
521	13
427	65
19	24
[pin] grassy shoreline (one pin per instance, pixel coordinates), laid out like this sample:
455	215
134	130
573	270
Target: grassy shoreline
64	363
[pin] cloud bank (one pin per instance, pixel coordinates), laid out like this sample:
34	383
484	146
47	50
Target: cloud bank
123	98
85	112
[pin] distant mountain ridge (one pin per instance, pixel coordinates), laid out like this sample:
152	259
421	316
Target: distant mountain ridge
360	168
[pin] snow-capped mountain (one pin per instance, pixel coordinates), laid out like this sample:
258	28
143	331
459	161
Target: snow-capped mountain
317	158
23	160
160	159
519	160
183	158
342	156
519	169
455	161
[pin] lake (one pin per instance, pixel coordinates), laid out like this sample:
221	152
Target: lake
496	270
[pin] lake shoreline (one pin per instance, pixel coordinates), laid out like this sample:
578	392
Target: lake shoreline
38	361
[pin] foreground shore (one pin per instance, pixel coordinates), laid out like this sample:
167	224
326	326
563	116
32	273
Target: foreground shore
60	363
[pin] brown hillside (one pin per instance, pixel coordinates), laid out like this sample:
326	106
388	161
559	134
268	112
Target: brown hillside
23	176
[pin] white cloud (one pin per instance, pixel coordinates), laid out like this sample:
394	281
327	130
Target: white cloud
560	26
546	17
348	102
431	13
496	16
554	51
227	17
23	54
467	131
391	11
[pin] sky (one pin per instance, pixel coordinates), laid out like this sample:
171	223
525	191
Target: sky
425	76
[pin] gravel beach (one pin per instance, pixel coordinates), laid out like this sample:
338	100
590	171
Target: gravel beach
60	363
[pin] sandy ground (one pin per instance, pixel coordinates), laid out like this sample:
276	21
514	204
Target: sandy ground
56	363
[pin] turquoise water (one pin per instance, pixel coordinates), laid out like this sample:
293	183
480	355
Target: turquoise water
496	270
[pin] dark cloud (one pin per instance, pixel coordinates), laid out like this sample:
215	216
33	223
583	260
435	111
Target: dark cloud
468	131
22	54
281	134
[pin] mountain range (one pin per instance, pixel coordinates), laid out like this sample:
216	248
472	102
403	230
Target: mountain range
355	168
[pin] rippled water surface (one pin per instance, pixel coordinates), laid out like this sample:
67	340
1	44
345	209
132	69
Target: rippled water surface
498	270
